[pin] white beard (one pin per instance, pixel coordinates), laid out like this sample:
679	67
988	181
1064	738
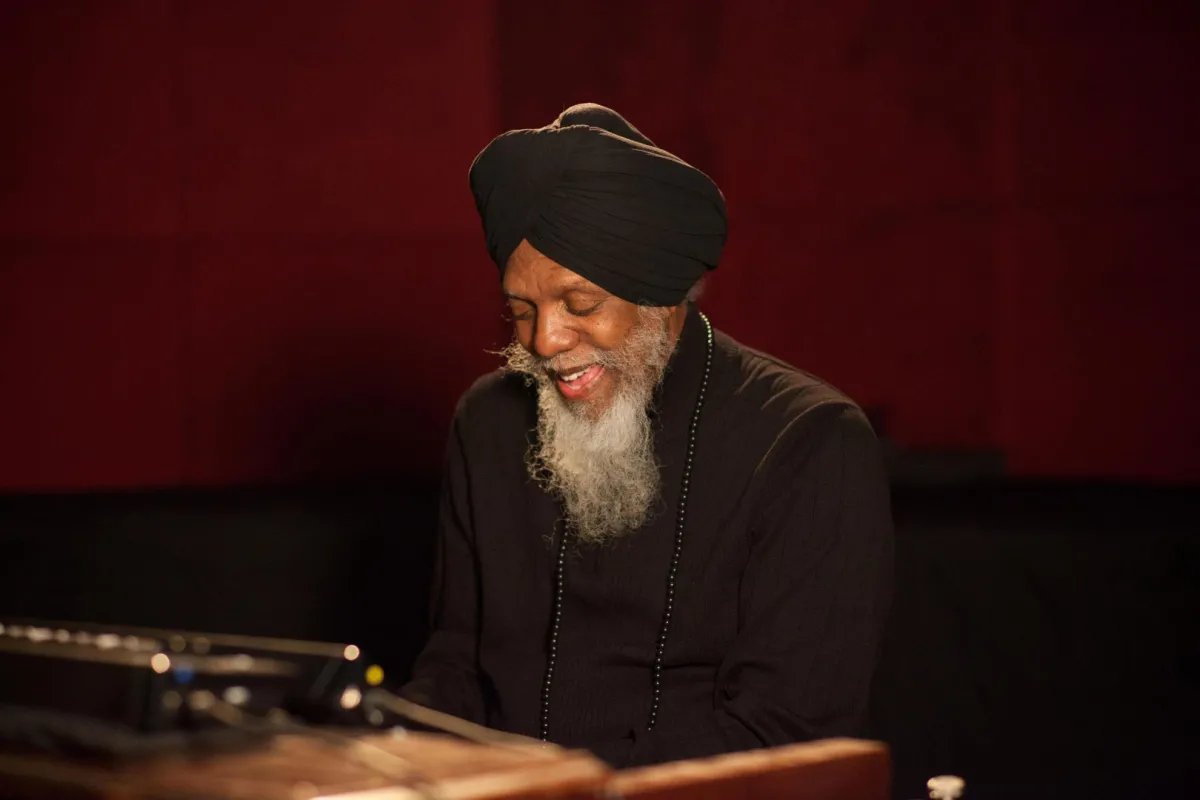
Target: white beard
601	467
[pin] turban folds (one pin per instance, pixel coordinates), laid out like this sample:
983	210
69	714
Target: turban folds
592	193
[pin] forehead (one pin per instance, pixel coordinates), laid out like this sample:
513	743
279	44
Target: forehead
529	273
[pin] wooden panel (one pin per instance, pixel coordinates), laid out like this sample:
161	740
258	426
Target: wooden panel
834	769
411	766
382	767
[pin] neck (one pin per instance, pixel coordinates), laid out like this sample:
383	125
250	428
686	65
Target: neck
676	319
676	393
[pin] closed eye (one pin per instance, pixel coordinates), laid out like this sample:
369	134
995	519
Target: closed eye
583	312
518	311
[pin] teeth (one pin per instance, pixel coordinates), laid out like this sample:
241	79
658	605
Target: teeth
574	375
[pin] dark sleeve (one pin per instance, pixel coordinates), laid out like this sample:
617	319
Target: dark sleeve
812	604
445	674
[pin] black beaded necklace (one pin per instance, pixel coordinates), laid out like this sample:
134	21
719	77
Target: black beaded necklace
560	566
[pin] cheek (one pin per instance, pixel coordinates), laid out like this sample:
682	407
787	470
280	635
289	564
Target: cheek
598	339
611	333
523	331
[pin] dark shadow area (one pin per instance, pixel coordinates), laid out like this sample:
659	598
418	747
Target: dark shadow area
343	562
1042	642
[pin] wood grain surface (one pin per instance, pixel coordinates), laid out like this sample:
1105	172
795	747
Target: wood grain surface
411	766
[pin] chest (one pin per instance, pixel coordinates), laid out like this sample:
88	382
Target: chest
618	592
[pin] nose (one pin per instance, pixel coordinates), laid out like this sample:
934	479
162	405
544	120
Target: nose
551	336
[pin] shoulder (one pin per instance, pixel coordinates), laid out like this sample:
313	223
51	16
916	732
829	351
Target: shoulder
496	401
811	436
781	397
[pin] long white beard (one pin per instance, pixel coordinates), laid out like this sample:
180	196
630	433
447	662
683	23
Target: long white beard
601	467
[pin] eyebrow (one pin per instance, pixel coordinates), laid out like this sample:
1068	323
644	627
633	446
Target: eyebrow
577	285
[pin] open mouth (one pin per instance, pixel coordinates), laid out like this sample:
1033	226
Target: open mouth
576	385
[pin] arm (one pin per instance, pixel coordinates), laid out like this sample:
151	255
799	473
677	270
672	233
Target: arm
444	676
812	604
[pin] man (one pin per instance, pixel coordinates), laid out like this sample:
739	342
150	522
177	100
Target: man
655	543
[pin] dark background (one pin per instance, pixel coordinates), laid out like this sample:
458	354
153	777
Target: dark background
242	284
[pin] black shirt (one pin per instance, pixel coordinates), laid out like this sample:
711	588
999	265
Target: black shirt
783	584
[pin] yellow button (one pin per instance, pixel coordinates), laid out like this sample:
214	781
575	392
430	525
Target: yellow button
374	675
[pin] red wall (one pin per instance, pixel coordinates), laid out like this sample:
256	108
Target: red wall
236	243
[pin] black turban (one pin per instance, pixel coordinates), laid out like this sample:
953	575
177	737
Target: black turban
592	193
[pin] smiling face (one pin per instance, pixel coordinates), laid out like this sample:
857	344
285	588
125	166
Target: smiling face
577	332
596	360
